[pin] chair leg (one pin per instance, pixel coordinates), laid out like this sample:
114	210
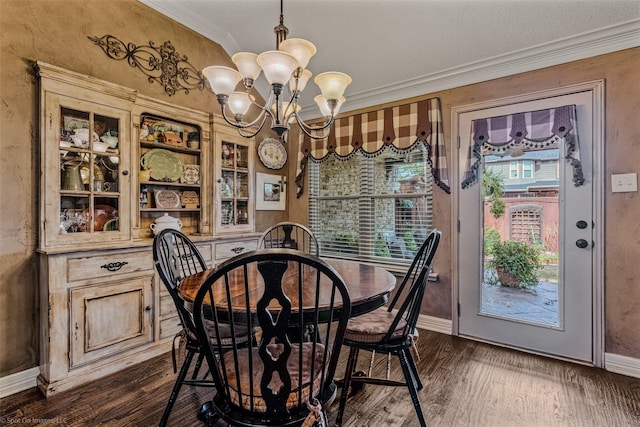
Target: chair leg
408	375
351	365
373	356
196	369
176	388
414	370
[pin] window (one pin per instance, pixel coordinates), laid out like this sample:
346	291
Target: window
513	169
527	169
374	208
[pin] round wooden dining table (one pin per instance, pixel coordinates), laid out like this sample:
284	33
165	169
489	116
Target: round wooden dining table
369	286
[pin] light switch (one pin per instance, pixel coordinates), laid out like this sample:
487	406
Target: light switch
624	182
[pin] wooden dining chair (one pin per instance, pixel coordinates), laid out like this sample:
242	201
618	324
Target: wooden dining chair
176	257
290	235
391	330
285	378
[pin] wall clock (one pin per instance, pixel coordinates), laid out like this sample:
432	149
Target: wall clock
272	153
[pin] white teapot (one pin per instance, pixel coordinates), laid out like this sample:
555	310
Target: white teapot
165	222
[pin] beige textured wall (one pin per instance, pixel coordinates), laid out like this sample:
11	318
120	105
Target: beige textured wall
50	31
56	32
621	71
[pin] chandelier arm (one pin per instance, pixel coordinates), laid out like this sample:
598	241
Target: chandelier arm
307	128
239	125
310	128
251	134
291	106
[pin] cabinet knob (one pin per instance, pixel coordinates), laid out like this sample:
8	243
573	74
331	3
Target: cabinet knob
125	173
147	308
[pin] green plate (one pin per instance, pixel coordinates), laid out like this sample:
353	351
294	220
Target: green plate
164	164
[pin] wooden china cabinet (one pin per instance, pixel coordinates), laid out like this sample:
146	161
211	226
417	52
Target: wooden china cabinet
111	162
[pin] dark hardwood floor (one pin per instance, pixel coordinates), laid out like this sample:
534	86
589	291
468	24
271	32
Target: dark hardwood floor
467	383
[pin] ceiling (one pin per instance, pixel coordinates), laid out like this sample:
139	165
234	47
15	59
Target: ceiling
397	49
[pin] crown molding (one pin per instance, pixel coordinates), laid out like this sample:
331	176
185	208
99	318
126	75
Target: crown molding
604	40
199	24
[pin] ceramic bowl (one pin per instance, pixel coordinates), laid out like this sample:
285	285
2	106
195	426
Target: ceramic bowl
111	141
100	147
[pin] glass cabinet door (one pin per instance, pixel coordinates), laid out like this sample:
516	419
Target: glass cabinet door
89	179
86	197
234	186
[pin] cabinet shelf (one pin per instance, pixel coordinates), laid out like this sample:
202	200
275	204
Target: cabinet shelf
149	144
231	199
169	209
168	184
238	169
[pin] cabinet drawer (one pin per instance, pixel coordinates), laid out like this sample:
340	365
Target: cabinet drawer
226	250
103	265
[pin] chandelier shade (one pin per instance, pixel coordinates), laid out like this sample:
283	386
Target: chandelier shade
332	84
277	66
287	109
300	82
247	65
284	67
300	49
239	103
223	80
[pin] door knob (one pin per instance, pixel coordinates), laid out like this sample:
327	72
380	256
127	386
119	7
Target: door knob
581	243
581	224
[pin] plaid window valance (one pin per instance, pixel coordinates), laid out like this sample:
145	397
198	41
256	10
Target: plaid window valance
400	127
534	130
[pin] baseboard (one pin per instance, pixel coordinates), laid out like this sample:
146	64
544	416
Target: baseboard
437	324
622	364
20	381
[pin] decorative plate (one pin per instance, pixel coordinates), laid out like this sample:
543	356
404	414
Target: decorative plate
164	164
191	174
272	153
73	123
167	199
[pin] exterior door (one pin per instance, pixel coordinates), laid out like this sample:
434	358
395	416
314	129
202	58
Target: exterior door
567	322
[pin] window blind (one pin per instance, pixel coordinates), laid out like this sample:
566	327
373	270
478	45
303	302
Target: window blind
376	208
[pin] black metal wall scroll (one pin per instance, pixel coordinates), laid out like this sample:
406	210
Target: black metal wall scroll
160	64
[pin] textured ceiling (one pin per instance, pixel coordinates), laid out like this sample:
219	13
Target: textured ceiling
396	49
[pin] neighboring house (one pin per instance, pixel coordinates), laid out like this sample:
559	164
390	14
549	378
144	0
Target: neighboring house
530	195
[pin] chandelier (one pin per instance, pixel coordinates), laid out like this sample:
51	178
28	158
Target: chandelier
285	66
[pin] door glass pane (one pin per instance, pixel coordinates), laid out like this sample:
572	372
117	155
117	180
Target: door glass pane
234	184
89	160
521	232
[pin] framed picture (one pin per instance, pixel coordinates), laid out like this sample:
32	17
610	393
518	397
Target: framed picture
270	192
